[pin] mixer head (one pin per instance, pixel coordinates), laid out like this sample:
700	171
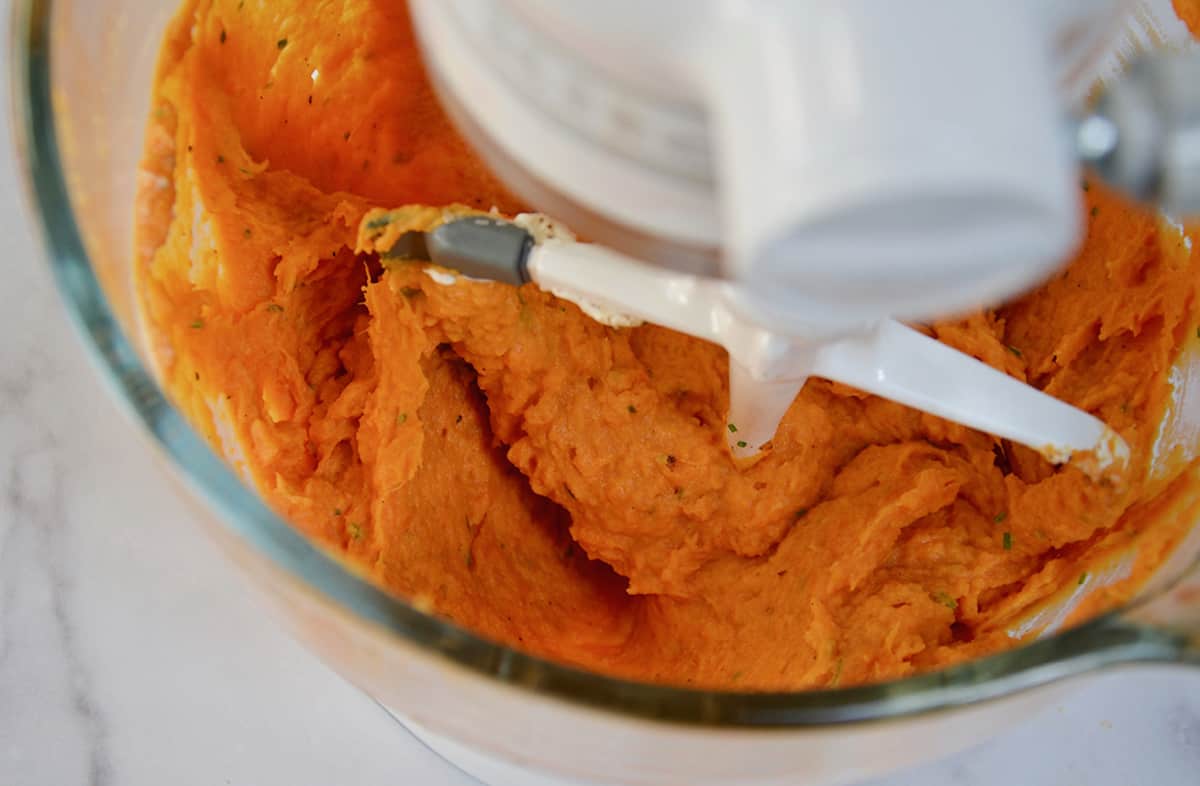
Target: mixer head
840	161
806	171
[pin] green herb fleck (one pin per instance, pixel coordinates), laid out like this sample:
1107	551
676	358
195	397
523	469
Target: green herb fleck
220	159
678	493
1015	351
1198	332
410	292
741	443
346	136
197	324
1000	517
737	675
945	599
402	418
1007	541
381	221
837	674
732	429
799	514
246	233
632	409
525	315
275	308
1083	577
223	36
470	559
1095	211
670	460
281	43
356	531
337	511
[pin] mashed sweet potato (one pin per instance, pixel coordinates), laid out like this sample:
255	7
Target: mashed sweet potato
563	486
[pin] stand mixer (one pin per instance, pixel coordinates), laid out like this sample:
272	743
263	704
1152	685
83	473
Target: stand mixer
791	179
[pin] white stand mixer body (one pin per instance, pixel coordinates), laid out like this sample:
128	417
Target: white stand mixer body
837	162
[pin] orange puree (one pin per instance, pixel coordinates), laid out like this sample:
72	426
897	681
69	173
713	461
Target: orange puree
1189	12
563	486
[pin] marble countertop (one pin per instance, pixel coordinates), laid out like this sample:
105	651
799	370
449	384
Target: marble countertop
133	654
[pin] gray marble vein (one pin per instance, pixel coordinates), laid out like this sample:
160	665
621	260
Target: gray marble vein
45	682
42	669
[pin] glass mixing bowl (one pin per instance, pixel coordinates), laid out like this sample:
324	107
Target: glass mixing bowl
81	76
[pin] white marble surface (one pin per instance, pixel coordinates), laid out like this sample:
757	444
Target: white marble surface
132	654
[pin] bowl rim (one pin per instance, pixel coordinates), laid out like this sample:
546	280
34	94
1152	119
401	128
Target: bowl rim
1102	642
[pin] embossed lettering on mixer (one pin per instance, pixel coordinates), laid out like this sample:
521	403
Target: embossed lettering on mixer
379	404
